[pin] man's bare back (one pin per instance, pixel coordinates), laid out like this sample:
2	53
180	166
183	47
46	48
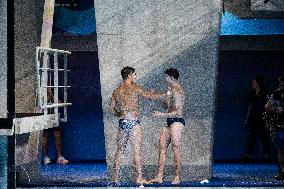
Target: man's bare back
125	100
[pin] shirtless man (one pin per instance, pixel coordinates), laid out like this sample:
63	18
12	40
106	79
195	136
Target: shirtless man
125	105
171	133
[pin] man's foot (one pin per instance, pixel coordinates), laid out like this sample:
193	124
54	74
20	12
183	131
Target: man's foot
46	160
157	180
116	184
115	181
141	181
280	176
176	180
62	160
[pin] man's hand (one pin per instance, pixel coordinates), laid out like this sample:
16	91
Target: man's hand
157	114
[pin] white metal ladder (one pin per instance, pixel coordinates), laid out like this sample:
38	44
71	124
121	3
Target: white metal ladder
44	68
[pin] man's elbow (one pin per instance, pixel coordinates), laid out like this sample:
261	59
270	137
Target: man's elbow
111	110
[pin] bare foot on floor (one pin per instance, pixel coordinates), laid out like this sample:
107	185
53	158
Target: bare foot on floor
157	180
115	180
176	181
142	181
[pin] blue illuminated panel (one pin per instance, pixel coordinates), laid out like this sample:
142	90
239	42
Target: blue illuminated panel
232	25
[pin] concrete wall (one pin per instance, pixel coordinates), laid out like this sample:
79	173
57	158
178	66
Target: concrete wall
3	59
28	25
3	90
28	30
153	36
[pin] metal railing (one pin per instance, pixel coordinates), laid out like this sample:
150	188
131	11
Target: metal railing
47	76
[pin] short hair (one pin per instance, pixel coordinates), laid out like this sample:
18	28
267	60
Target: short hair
281	80
260	81
126	71
172	72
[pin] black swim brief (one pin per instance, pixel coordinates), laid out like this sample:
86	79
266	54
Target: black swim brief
170	121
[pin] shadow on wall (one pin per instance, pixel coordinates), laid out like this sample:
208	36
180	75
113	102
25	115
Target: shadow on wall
197	66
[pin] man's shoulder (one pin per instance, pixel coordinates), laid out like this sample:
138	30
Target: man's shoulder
178	90
137	87
116	90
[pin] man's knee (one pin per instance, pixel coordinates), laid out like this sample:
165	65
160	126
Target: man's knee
57	133
163	147
175	145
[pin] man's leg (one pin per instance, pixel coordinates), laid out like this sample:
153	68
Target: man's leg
280	176
136	139
176	130
45	137
58	146
251	142
165	139
264	137
117	156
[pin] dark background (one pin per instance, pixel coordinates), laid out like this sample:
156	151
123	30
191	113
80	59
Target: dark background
236	70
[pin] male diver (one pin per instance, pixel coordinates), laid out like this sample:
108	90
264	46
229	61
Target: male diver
125	105
171	133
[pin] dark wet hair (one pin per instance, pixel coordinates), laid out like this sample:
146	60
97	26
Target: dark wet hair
126	71
172	72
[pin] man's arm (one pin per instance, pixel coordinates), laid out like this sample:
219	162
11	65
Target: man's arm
150	94
175	110
248	114
112	104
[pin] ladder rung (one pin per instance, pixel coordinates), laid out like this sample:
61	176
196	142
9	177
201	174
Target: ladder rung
62	119
56	105
53	50
57	86
53	69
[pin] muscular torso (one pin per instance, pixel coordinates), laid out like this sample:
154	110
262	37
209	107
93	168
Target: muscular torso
127	101
175	100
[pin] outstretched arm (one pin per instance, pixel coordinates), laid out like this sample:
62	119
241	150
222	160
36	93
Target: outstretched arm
150	94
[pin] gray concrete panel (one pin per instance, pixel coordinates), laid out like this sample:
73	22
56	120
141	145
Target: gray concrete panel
3	90
3	59
152	36
28	23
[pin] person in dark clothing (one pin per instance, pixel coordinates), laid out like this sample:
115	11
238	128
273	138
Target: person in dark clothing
254	121
275	106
